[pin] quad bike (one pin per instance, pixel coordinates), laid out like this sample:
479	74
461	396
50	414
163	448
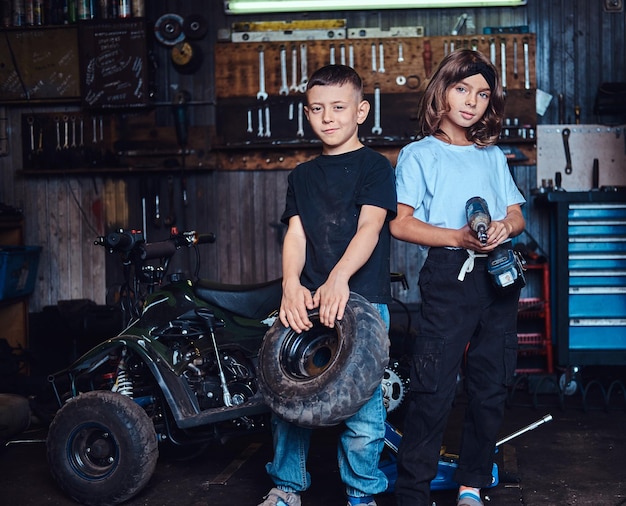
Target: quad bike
198	362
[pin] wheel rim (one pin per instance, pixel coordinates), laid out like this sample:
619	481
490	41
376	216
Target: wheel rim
92	451
307	355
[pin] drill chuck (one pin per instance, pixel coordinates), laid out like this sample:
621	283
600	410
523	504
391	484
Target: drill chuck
478	217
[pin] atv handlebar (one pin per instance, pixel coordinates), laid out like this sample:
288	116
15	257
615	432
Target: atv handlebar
127	241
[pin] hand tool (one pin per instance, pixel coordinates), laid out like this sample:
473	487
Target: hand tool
503	62
478	217
374	67
268	132
526	65
332	55
73	120
381	55
304	73
260	118
294	69
568	158
249	129
376	129
284	88
58	125
262	94
400	52
66	131
300	132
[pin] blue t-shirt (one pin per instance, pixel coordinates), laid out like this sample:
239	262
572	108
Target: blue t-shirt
437	179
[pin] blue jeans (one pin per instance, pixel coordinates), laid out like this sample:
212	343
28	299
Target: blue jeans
358	451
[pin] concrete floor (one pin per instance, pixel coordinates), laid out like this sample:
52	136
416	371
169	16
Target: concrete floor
579	459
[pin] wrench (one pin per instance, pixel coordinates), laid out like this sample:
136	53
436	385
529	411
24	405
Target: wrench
66	129
300	132
284	88
568	157
249	129
351	56
304	76
342	50
503	62
58	124
400	53
376	129
374	68
260	131
332	55
381	53
261	95
268	132
526	65
31	123
294	69
73	119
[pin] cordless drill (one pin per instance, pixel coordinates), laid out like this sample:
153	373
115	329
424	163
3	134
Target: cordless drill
503	264
478	217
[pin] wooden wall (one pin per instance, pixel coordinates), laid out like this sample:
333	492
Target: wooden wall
578	46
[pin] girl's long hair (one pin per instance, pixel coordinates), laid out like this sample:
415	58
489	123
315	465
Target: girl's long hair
434	105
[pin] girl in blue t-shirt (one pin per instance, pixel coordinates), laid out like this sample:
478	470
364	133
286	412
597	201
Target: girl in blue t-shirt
465	320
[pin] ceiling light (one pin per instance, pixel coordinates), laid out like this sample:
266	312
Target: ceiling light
270	6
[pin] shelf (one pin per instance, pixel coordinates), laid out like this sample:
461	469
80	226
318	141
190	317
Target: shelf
534	336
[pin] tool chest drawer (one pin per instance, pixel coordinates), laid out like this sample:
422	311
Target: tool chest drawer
588	252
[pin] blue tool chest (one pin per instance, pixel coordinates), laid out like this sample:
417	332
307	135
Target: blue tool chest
588	255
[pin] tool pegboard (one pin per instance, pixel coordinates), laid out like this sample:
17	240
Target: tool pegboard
66	140
583	144
260	85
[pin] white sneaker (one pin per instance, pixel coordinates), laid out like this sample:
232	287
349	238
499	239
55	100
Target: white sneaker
277	497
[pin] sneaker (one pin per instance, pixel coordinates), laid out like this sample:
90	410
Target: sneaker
468	500
277	497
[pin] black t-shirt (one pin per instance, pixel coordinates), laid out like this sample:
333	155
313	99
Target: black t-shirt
327	194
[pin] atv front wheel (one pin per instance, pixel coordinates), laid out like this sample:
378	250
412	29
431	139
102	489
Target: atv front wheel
102	448
323	376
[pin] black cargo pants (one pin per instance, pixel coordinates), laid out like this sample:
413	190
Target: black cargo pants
468	323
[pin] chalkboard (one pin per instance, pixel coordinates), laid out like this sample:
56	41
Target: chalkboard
39	64
113	63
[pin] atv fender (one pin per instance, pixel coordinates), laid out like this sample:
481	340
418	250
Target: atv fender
176	392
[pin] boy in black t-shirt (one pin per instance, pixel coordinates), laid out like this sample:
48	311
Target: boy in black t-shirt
338	209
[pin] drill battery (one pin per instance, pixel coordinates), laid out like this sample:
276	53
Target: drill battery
506	268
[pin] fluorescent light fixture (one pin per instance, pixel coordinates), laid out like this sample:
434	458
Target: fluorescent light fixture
269	6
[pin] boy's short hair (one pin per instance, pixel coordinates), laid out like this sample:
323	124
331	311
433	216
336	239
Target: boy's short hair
336	75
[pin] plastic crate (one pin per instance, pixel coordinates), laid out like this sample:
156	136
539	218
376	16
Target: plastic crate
18	270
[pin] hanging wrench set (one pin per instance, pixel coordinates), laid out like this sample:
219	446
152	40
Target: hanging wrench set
65	140
261	80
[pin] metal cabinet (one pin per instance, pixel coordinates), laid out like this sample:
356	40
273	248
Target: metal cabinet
588	255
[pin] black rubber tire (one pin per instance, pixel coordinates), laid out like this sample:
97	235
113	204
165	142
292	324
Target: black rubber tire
102	448
323	376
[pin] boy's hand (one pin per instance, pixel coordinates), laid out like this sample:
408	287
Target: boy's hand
294	306
331	298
